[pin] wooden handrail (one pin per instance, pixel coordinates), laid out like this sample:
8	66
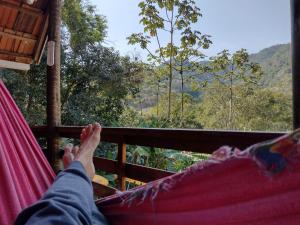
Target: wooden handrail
107	165
102	190
143	173
136	172
203	141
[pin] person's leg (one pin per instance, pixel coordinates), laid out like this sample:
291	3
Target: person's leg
89	140
70	199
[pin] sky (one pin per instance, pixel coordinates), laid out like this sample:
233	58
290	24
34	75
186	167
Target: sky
232	24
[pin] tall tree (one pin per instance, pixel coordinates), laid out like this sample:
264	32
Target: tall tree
84	26
94	78
230	70
189	66
175	18
135	71
157	81
92	87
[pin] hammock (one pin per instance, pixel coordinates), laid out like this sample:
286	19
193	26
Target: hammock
257	186
236	187
24	171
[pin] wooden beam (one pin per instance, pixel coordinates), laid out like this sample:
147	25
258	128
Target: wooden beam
41	41
107	165
295	16
22	8
12	34
14	65
15	54
144	174
195	140
53	84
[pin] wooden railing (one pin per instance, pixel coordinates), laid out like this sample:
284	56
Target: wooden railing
201	141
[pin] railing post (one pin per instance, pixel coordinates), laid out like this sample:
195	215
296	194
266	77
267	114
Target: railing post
295	16
53	82
121	166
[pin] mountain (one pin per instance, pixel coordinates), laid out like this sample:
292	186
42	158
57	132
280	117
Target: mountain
276	64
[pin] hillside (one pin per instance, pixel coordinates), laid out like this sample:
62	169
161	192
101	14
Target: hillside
276	64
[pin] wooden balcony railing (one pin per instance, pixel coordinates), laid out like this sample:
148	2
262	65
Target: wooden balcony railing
201	141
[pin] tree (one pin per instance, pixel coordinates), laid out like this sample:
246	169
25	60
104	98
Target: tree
29	91
85	27
93	87
255	108
173	17
230	70
156	80
264	109
188	65
95	79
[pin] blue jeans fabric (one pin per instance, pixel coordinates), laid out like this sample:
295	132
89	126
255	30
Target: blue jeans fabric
68	201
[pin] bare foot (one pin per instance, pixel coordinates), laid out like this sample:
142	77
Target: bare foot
69	155
90	139
85	132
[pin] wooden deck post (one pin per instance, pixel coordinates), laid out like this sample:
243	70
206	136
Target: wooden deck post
295	16
121	166
53	82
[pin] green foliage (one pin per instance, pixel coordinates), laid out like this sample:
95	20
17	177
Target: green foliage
95	79
187	62
165	159
255	109
29	91
92	87
189	118
85	27
90	72
230	70
265	109
171	17
227	68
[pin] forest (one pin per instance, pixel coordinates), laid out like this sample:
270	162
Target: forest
177	86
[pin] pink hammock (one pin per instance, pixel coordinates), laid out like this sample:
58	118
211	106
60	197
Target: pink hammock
229	188
257	186
24	171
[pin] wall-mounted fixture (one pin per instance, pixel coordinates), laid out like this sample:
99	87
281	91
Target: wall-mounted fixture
30	2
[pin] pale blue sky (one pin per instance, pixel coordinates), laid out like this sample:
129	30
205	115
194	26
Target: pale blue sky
233	24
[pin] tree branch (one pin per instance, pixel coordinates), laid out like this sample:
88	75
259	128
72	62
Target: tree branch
159	46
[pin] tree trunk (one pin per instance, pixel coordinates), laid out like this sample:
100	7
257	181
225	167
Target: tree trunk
231	100
157	99
230	110
170	89
171	66
141	106
182	94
